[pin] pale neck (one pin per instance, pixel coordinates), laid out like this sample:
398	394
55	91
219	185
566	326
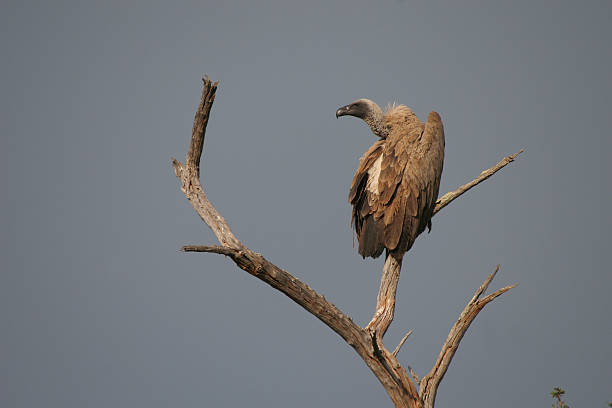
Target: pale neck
376	122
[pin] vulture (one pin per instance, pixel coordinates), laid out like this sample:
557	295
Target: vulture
395	188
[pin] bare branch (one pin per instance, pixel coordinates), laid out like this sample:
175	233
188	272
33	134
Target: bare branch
447	198
385	301
497	293
485	285
401	343
189	174
429	384
215	249
199	124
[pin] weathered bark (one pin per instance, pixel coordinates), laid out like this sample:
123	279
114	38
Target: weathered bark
385	302
367	341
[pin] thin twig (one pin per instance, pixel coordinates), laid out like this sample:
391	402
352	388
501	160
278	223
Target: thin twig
401	343
199	124
482	302
413	374
447	198
485	285
212	249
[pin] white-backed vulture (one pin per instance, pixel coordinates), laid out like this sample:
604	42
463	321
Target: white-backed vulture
396	185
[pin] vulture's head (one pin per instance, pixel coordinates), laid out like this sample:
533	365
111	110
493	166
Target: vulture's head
367	110
361	108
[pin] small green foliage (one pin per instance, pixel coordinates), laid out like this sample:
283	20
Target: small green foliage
556	393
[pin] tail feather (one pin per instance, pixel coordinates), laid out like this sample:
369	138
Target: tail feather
371	237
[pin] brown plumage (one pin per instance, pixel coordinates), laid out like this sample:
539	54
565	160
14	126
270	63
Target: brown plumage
396	185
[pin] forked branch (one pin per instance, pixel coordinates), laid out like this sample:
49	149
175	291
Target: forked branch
429	384
189	173
367	342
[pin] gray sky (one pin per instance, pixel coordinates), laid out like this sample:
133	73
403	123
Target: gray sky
99	309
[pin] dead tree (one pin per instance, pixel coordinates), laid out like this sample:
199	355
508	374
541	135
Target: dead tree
404	390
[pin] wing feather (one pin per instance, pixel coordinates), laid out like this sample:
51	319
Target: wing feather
369	231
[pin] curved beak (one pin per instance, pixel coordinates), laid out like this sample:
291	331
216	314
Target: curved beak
342	111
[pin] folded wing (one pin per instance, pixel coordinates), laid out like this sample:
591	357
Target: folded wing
396	185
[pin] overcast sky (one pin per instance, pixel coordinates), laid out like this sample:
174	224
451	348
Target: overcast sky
99	309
